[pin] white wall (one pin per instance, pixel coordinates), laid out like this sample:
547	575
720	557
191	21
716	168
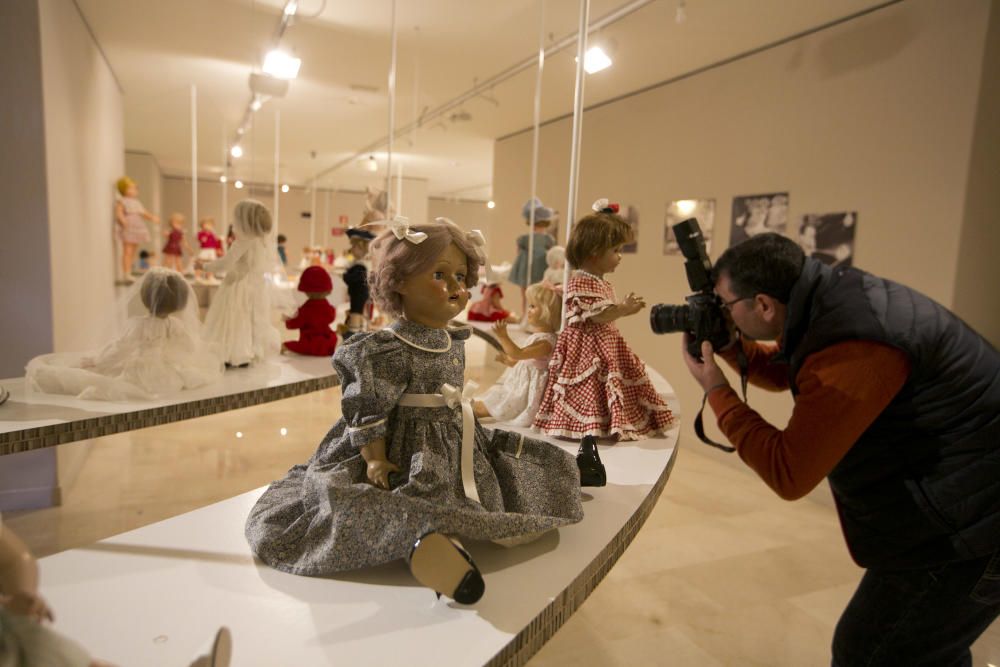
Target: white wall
85	155
875	115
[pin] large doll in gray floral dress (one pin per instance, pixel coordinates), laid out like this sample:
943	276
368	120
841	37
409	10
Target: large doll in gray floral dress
408	469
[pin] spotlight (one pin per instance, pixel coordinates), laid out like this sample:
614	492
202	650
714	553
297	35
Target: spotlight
236	151
283	431
371	164
491	204
686	206
238	184
284	187
223	179
256	104
239	434
595	60
280	65
291	7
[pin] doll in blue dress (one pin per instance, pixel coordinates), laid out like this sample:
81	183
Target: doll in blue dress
408	470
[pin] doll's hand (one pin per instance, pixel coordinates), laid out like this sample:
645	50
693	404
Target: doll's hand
632	304
378	472
26	603
504	359
500	329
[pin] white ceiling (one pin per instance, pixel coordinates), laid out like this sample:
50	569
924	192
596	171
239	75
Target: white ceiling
339	104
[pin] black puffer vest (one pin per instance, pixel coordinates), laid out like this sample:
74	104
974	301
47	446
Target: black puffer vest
921	486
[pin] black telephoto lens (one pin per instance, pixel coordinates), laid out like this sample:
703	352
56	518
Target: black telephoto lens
669	319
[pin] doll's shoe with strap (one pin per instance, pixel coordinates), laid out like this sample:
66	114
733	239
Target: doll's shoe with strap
443	565
592	471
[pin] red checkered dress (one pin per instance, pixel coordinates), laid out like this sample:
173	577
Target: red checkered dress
597	385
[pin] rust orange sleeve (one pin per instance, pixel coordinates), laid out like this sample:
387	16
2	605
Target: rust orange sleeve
842	389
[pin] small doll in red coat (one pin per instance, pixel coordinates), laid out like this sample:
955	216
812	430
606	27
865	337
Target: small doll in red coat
314	317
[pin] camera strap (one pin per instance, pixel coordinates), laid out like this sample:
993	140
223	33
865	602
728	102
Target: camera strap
699	424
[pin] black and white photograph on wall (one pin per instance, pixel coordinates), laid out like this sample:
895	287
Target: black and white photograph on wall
829	237
756	214
631	215
681	210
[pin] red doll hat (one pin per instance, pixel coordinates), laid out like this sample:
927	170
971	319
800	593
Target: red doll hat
315	279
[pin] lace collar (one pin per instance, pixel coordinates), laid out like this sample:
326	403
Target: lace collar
426	338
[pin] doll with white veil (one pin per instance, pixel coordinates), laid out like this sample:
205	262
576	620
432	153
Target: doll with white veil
239	319
159	352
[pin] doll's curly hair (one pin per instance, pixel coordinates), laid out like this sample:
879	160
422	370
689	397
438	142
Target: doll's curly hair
163	292
395	260
595	234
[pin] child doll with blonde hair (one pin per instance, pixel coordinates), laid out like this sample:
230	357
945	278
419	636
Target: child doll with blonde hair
515	397
597	386
239	319
407	470
129	216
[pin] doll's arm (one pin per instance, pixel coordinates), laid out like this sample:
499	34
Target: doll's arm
149	216
630	306
378	466
373	377
536	350
19	578
294	322
225	263
120	214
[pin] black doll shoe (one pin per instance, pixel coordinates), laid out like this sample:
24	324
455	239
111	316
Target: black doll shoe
444	566
592	471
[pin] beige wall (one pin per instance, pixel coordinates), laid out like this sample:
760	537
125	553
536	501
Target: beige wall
84	157
977	297
875	115
25	284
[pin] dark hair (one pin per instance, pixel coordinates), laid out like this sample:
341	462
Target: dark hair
143	254
763	264
281	238
595	234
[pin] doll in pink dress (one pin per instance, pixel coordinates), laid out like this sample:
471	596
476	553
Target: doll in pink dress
597	386
130	216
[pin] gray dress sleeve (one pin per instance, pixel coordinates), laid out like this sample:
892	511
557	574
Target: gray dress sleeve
374	372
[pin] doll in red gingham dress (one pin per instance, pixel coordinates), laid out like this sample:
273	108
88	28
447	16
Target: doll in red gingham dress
597	385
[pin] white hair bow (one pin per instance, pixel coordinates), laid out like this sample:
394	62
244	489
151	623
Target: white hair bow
478	242
400	227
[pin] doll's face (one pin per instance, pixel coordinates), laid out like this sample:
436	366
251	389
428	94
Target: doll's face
207	226
607	261
132	191
536	316
435	296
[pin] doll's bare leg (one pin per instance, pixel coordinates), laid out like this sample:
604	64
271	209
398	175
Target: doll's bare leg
479	409
128	254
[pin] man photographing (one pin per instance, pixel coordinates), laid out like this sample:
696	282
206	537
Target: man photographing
897	403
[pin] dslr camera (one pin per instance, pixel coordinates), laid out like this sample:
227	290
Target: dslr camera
702	317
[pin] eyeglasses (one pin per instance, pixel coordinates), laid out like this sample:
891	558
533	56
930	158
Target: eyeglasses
728	305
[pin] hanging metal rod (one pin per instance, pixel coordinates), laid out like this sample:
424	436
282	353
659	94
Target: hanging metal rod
480	88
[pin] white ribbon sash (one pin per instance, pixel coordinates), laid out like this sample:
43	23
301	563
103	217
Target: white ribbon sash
452	397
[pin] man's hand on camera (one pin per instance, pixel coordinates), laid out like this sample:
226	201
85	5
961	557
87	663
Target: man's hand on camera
706	372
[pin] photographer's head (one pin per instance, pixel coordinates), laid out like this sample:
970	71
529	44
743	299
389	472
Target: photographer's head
754	280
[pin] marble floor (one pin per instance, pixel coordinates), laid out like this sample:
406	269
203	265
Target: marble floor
722	573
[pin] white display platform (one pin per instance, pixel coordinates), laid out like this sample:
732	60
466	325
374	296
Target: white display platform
153	596
31	420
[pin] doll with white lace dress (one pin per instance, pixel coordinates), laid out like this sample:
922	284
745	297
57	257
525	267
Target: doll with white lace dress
407	470
515	397
160	351
239	319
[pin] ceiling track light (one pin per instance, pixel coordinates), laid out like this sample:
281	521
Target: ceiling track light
236	151
371	164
